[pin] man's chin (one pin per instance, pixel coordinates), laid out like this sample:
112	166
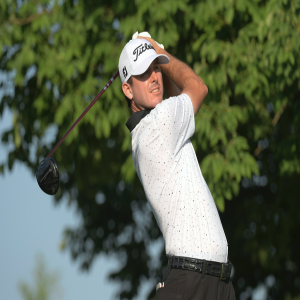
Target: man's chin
156	100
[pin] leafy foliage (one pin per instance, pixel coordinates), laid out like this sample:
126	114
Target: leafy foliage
46	284
247	131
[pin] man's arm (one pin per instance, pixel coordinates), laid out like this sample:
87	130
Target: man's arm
183	76
171	89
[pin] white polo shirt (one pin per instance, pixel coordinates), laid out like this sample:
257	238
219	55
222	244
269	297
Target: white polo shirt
167	166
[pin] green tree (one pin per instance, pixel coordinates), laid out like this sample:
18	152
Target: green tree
46	284
59	54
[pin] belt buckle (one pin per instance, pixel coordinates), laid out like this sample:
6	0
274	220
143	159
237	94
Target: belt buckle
191	266
221	277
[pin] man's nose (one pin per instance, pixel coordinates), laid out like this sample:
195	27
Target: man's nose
153	76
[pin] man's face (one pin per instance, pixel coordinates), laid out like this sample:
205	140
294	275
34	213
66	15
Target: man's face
146	89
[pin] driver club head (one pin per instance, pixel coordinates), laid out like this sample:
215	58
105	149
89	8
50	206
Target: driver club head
47	176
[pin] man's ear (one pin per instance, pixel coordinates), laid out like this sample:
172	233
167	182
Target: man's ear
126	87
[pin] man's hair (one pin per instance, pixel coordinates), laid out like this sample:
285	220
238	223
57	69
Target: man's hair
127	99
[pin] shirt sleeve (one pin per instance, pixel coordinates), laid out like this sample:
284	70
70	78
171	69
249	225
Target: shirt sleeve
174	119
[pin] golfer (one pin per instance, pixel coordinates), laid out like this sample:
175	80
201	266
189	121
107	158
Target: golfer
167	166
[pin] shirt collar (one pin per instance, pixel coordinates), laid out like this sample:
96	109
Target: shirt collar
135	119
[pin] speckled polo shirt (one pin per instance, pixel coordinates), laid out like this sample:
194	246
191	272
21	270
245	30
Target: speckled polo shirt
167	166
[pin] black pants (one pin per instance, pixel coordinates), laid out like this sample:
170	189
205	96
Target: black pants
189	285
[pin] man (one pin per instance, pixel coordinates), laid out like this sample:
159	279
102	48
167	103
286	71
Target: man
167	166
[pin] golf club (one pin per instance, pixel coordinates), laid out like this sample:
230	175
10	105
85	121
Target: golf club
47	174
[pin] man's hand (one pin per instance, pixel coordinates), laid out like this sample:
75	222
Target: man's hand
144	35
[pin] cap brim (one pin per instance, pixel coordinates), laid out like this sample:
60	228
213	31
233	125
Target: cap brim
162	60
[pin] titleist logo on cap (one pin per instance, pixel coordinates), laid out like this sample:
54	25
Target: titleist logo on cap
140	49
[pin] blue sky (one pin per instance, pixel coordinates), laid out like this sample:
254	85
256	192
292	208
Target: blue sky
30	224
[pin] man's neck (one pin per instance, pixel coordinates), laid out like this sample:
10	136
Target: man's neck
134	108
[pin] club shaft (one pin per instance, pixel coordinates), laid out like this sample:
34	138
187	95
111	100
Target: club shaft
86	110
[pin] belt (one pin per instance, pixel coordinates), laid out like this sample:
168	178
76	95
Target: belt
221	270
